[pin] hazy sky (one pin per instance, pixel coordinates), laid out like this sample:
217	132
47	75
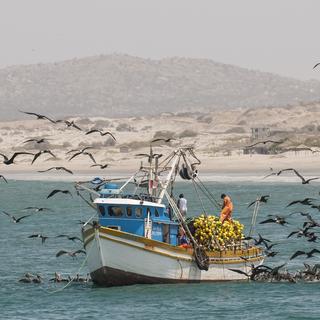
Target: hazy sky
278	36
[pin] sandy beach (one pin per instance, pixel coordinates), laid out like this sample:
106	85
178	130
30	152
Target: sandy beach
218	139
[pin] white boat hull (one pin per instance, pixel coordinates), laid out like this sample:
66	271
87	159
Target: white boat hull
117	258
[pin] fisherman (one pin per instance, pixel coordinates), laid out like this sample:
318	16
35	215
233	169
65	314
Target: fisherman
183	239
227	208
182	205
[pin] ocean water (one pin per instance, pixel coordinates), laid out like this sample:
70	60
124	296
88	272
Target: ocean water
246	300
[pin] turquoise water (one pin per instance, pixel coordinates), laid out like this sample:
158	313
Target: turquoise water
19	255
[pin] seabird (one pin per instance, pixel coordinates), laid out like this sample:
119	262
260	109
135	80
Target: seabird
52	193
8	161
14	219
102	133
70	253
37	155
57	168
261	199
39	116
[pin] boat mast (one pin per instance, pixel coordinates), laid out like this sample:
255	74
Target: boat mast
165	184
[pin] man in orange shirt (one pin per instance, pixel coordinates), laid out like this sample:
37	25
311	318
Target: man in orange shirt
227	207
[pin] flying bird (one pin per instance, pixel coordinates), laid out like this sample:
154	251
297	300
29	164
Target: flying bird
70	124
37	209
263	199
276	219
305	202
308	254
264	142
102	166
163	139
14	219
43	238
42	140
52	193
69	253
84	153
39	116
69	237
57	168
8	161
2	177
304	181
149	156
102	133
316	65
79	150
37	155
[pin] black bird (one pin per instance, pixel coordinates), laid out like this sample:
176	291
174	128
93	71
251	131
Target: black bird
276	219
37	155
261	199
85	153
70	124
268	247
264	142
1	176
258	241
102	133
305	202
79	150
316	65
241	272
8	161
149	156
37	209
311	223
300	233
57	168
42	140
271	253
69	253
304	181
69	237
14	219
43	238
52	193
102	166
163	139
39	116
308	254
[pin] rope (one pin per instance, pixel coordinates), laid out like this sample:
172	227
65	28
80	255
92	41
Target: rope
72	279
204	190
202	205
216	203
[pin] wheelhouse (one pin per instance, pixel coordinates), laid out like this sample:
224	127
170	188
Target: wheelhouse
136	214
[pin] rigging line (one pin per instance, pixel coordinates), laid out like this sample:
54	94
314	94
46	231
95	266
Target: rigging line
169	158
210	193
195	188
208	196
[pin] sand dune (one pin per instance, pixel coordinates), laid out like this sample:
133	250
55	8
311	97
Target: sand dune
218	139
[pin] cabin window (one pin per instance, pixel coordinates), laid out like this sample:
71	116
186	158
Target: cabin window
115	211
138	212
101	210
148	212
129	211
156	212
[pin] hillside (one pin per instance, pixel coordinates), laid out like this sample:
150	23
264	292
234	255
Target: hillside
121	85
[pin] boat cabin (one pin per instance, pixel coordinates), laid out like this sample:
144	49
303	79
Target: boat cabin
136	214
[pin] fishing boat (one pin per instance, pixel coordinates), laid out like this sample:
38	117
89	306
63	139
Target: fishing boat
133	238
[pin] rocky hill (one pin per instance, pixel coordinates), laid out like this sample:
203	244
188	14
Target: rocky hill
121	85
